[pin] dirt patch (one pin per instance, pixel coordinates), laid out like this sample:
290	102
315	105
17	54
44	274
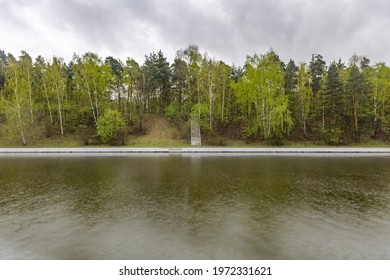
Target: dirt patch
157	127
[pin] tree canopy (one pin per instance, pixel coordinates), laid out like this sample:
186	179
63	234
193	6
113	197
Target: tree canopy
265	99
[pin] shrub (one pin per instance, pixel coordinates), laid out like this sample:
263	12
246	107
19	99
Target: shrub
332	136
111	127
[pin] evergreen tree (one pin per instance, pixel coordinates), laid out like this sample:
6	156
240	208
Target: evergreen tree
179	74
158	76
333	105
317	70
117	90
358	88
3	64
290	87
333	97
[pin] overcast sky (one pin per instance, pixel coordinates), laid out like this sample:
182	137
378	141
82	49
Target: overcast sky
227	29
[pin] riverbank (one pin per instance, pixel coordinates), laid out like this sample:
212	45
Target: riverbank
192	150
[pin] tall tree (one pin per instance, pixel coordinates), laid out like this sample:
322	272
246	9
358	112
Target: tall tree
380	98
25	62
333	99
42	76
158	75
57	82
179	84
15	101
317	67
317	70
92	78
357	88
134	85
260	92
192	57
117	90
304	97
291	78
223	89
3	64
291	87
207	80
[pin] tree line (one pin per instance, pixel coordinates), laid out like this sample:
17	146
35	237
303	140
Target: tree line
266	99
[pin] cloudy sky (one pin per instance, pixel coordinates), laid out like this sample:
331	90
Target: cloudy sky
227	29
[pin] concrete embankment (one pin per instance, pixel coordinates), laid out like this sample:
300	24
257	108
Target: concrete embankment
190	150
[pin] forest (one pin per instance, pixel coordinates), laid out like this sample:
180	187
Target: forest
104	100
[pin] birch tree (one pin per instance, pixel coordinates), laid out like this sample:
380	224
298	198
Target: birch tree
260	92
92	78
57	82
207	80
380	98
25	62
304	97
15	101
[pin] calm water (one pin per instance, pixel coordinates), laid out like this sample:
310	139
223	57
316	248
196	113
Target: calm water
194	207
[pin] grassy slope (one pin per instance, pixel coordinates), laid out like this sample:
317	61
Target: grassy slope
160	133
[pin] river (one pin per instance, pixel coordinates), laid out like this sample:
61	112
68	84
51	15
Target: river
194	207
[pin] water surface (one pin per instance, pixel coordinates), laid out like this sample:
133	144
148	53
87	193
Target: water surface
194	207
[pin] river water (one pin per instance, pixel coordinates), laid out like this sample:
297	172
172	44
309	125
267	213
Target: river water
194	207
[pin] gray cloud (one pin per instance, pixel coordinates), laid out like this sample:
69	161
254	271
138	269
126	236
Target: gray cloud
227	29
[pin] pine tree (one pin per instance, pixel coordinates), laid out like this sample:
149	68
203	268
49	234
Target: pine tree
333	105
290	87
358	88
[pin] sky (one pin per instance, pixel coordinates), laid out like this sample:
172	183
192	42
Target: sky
227	30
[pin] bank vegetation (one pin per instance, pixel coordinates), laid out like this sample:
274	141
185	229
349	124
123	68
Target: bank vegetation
92	101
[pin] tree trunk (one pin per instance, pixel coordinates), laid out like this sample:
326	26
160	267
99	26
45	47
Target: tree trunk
223	100
96	99
90	97
375	124
59	110
211	102
355	116
59	103
30	96
60	114
20	120
47	100
304	121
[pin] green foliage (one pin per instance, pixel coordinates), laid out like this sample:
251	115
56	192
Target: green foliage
15	103
291	79
303	99
333	98
172	111
264	100
3	58
332	136
111	127
380	79
317	70
357	87
260	93
158	75
201	112
92	80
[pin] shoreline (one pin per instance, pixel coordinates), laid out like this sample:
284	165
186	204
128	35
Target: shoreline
192	150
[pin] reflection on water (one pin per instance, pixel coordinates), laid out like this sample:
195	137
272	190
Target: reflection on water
196	207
